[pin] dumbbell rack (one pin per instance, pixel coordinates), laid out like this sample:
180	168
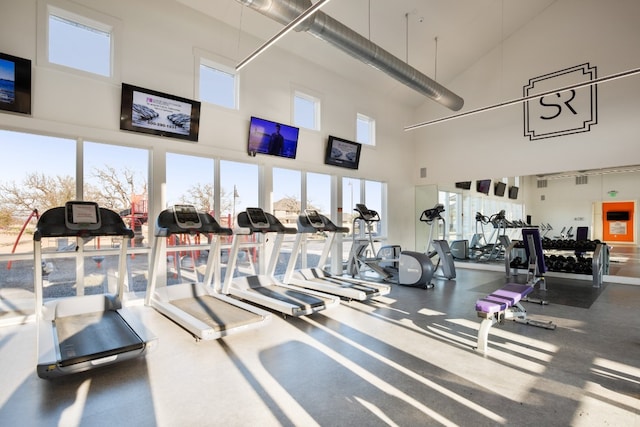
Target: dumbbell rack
599	260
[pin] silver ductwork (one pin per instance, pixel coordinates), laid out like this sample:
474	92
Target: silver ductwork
328	29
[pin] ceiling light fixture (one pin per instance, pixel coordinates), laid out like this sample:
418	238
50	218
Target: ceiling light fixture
608	78
291	26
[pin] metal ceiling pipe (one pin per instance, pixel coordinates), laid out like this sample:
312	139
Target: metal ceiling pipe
328	29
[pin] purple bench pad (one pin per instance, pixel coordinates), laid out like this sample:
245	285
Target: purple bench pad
503	298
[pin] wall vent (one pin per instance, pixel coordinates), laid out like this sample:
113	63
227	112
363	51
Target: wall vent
542	183
582	180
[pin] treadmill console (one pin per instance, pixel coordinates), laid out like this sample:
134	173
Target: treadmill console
186	216
257	218
366	213
314	218
80	215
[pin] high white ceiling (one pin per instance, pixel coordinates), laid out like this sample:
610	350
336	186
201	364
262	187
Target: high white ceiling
465	31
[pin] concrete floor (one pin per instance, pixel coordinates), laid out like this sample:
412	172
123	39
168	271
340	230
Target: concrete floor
405	359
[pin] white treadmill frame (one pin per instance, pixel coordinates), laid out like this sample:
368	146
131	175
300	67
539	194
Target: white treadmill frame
161	298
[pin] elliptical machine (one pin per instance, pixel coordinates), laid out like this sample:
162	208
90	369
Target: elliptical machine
391	264
440	247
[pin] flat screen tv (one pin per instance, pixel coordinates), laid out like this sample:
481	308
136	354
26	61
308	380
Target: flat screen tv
618	216
15	84
465	185
483	186
343	153
276	139
157	113
499	189
513	192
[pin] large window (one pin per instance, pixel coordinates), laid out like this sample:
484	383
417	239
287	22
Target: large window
363	191
37	172
350	196
318	198
452	216
287	201
117	178
190	180
40	172
238	188
371	193
319	193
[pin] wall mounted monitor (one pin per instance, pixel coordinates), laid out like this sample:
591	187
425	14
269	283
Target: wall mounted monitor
483	186
157	113
499	189
513	192
465	185
618	216
343	153
15	84
273	138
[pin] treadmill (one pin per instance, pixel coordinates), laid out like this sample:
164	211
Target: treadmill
79	333
196	306
265	289
318	279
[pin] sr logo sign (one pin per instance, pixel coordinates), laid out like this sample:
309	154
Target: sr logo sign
561	113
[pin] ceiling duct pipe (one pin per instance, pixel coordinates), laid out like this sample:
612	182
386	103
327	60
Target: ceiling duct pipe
328	29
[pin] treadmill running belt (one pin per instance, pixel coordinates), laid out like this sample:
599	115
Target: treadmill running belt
93	336
315	276
289	295
218	314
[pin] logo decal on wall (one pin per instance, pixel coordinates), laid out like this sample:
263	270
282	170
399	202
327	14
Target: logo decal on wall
565	113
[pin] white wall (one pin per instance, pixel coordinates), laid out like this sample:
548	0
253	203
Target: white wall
567	205
157	52
491	144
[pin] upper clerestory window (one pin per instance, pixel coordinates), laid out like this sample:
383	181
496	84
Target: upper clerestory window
77	38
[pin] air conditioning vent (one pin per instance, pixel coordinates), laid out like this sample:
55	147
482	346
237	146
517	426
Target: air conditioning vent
542	183
582	180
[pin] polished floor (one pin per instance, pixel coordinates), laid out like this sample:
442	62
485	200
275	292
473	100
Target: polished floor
406	359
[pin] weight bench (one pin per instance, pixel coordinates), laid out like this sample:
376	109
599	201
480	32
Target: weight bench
503	304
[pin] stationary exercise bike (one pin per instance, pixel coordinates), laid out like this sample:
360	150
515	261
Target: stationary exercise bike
440	247
391	263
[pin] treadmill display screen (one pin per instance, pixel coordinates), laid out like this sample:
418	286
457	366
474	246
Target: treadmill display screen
314	218
81	215
257	218
186	216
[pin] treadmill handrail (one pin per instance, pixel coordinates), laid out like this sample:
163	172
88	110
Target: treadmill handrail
52	224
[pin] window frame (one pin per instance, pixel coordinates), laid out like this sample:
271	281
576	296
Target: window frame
86	17
317	108
371	126
203	59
